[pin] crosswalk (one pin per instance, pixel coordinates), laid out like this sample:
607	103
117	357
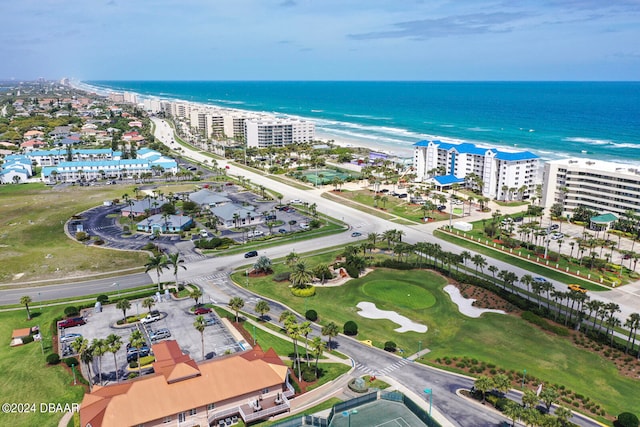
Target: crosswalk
193	257
384	371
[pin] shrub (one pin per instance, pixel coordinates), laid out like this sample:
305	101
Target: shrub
71	311
309	374
70	361
53	359
311	315
350	328
103	299
627	419
309	291
352	271
82	236
281	277
390	346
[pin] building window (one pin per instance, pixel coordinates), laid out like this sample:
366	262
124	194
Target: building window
167	419
193	411
211	406
182	417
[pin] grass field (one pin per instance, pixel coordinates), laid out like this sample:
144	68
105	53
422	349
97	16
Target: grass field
506	341
33	242
26	378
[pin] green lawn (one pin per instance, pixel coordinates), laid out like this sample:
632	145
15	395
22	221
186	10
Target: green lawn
33	242
505	341
26	378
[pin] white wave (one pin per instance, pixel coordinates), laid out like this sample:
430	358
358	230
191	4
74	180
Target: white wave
479	129
317	111
626	145
590	141
225	101
366	116
447	126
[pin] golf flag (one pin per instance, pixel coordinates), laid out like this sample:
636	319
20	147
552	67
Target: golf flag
539	390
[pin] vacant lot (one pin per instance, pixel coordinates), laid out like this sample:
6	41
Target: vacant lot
32	239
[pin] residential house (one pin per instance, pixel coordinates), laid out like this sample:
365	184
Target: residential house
252	385
209	198
148	205
234	215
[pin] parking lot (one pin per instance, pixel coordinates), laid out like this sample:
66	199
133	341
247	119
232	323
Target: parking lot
175	317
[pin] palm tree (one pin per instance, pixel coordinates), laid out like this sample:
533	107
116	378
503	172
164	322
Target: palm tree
318	346
196	294
114	342
493	269
633	323
157	263
80	346
174	261
305	330
236	304
465	255
26	300
373	238
549	395
200	325
123	305
292	258
300	276
148	303
502	383
479	261
530	399
563	414
331	330
262	307
483	384
513	411
292	329
137	340
527	280
99	347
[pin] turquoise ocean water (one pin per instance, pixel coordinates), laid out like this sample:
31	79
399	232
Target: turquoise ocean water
553	119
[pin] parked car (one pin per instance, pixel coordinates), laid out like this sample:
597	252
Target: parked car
402	196
304	225
70	337
251	254
296	201
211	320
441	208
159	334
282	231
69	323
356	234
556	236
151	317
201	310
255	233
132	356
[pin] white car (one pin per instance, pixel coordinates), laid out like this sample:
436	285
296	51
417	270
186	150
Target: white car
296	202
70	337
304	226
556	236
256	233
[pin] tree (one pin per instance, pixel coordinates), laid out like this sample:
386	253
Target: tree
300	276
262	307
114	342
502	383
26	300
322	272
513	411
563	414
305	330
196	294
80	346
137	340
292	259
174	261
483	384
200	326
262	265
633	323
530	399
123	305
236	304
331	330
148	303
99	347
157	263
292	328
317	346
627	419
549	395
479	261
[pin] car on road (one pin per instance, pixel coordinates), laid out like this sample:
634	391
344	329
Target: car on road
556	236
576	288
356	234
201	310
70	337
626	256
251	254
282	231
296	201
69	323
159	334
540	280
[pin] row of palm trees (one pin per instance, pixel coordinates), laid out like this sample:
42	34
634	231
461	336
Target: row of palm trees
160	262
577	307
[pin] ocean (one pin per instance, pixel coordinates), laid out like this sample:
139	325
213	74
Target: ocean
552	119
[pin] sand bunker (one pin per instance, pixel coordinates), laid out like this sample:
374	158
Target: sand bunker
370	311
465	305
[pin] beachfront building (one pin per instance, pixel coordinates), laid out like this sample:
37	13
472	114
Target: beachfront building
272	132
251	386
604	187
501	174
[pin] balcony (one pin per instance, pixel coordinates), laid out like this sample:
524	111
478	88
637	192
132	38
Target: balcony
256	409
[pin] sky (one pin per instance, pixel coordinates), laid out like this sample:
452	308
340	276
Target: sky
320	39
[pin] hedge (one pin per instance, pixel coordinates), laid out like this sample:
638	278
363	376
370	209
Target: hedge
53	359
542	323
311	315
350	328
309	291
70	361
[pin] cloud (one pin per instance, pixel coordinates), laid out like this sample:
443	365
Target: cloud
477	23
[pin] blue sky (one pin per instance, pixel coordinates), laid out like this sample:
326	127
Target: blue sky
321	39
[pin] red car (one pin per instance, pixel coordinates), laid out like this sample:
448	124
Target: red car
201	310
68	323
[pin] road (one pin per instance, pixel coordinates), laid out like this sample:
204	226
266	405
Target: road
212	275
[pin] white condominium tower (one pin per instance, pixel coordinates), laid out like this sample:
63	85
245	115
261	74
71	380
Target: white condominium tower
504	174
594	184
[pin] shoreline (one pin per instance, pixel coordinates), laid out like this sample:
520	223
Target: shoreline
395	145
